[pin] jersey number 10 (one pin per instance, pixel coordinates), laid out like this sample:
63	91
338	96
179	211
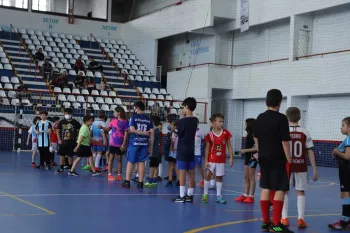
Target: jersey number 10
296	148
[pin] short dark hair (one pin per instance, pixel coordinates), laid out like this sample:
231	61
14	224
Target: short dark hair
44	112
87	118
37	118
121	112
273	98
217	115
101	114
293	114
155	120
68	110
140	105
346	120
54	119
190	102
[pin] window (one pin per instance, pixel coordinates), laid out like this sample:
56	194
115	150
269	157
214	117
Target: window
40	5
5	3
22	4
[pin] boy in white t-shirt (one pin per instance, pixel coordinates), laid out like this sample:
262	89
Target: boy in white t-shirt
198	153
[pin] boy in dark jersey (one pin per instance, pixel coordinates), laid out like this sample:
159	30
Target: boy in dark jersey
186	132
271	135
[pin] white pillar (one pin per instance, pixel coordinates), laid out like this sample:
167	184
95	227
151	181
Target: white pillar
292	43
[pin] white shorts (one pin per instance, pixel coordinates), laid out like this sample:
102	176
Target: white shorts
217	168
299	180
53	147
34	146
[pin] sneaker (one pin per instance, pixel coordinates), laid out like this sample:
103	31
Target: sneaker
33	164
188	198
179	199
249	200
279	228
241	198
119	178
135	179
111	178
302	223
166	178
60	170
86	167
205	198
220	200
159	178
97	173
72	173
140	185
265	227
125	184
169	184
48	167
150	185
340	225
66	167
285	222
201	184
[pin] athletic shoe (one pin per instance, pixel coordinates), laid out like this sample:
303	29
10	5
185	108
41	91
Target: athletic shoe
169	184
111	178
159	178
249	200
140	185
265	227
86	167
119	178
125	184
285	222
60	170
179	199
33	165
150	185
205	198
241	198
340	225
97	173
220	200
72	173
188	198
135	179
201	184
301	223
279	228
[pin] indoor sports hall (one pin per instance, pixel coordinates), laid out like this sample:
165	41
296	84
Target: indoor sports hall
93	56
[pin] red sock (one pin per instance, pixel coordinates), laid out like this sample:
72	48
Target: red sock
272	196
265	211
277	212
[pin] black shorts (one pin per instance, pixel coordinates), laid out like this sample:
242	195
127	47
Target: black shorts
344	175
274	177
84	151
171	160
115	150
154	162
248	161
66	149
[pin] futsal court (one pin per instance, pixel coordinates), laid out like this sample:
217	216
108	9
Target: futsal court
39	201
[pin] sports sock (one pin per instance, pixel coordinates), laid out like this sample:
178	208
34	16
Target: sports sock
182	191
206	186
265	210
160	170
277	212
97	160
285	207
212	182
346	209
190	191
218	188
246	195
301	206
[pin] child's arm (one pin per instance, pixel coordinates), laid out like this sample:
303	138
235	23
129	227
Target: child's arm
150	149
28	138
286	148
251	150
256	144
126	133
172	144
206	154
230	150
104	138
345	156
81	138
313	163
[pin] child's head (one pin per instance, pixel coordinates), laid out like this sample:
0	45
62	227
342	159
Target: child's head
160	126
217	120
274	98
43	115
249	123
88	120
68	113
119	112
155	120
55	120
293	114
189	105
36	119
139	106
173	125
345	126
101	114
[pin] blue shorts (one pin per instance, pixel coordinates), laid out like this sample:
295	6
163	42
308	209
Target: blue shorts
182	165
198	159
98	148
137	154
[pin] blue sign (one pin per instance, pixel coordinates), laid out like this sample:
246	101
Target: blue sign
197	49
50	22
109	28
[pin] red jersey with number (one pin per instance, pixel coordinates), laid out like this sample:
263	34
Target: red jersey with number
53	135
217	146
300	143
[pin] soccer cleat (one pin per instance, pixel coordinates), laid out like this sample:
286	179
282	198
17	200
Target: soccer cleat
220	200
285	222
179	199
265	227
340	225
301	223
188	198
241	198
205	198
279	228
111	178
249	200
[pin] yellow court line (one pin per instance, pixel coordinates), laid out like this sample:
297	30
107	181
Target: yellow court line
19	215
27	202
246	221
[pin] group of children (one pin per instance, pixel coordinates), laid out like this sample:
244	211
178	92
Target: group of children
274	141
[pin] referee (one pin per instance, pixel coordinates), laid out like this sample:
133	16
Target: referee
43	129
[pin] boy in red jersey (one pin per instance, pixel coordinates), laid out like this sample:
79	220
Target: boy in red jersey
215	156
301	145
271	135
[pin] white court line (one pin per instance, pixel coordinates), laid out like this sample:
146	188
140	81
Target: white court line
101	194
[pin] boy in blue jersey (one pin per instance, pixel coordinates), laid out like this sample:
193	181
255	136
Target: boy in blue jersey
140	143
99	139
186	132
43	130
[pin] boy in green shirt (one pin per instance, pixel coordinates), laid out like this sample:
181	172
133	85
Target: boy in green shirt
83	148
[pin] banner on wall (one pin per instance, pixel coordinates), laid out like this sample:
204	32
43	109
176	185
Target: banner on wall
244	15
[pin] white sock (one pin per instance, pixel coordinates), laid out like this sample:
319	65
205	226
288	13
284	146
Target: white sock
182	191
301	206
94	156
218	188
212	182
190	191
206	186
97	160
137	174
285	207
246	195
160	170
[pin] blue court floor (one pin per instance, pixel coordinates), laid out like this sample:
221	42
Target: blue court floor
39	201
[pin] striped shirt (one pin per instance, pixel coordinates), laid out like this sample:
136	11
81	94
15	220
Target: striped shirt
43	136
